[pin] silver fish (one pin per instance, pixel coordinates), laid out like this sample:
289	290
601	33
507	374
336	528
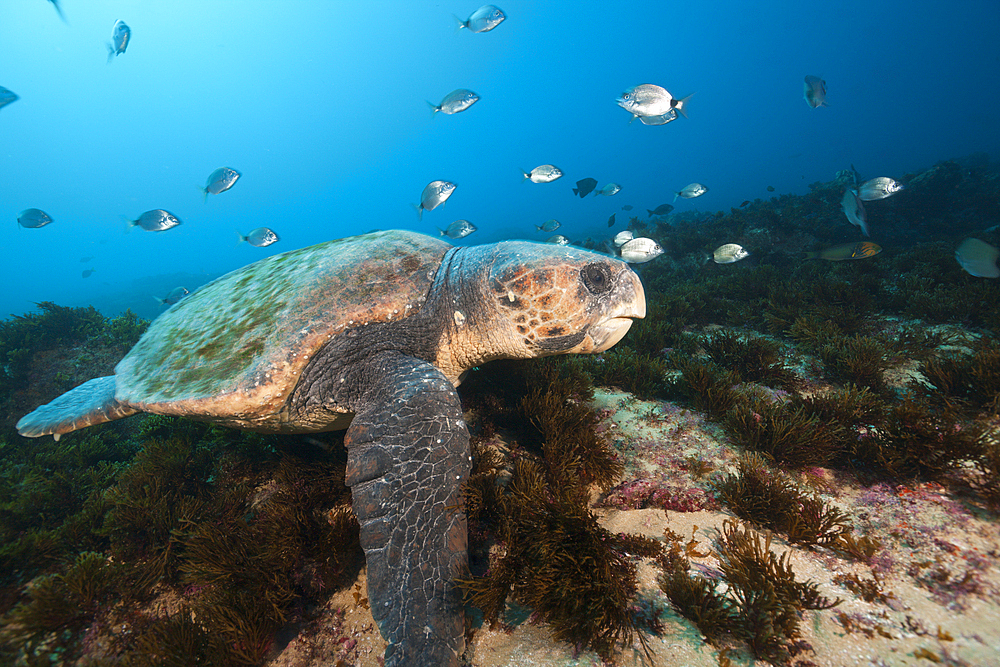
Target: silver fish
435	193
260	237
549	225
119	39
691	191
458	229
621	238
815	92
978	258
455	101
854	210
558	239
640	250
483	19
175	295
33	218
86	273
651	101
609	190
545	173
220	180
662	209
729	253
878	188
7	97
157	220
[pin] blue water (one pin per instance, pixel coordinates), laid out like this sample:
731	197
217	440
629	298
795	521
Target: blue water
321	105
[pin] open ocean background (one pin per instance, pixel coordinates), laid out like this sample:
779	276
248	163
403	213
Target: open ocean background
322	107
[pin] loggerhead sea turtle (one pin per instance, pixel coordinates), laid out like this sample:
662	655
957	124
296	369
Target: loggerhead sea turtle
370	333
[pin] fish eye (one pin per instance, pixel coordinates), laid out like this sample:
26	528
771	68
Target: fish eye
596	278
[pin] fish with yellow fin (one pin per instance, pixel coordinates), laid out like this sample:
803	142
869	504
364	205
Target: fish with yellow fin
838	253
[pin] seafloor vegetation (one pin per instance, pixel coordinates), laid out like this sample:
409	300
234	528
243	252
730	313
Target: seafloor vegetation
159	541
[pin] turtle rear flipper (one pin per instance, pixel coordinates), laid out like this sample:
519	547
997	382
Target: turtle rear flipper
93	402
408	455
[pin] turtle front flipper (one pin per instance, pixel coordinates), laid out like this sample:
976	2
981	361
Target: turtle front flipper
93	402
408	455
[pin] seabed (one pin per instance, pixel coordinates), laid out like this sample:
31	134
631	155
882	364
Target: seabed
938	568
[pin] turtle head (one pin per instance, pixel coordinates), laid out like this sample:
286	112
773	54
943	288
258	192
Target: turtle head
536	299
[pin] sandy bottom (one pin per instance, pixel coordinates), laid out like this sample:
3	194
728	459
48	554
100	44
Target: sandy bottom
938	567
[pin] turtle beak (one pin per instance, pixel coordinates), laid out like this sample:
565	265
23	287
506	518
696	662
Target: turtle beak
606	333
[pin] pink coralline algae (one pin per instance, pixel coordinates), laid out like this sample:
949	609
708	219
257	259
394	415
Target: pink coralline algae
646	494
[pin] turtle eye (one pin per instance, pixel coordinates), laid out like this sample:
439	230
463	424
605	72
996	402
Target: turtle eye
596	277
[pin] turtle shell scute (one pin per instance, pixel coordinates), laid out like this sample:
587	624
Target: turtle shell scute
237	346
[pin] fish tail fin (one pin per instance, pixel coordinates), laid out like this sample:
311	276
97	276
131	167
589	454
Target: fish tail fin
441	232
434	108
810	255
681	105
526	176
204	194
459	23
649	214
575	191
676	195
129	223
242	238
111	53
420	211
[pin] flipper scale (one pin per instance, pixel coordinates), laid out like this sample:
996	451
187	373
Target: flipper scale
408	454
93	402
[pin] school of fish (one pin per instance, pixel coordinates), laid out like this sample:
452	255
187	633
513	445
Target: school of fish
652	104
